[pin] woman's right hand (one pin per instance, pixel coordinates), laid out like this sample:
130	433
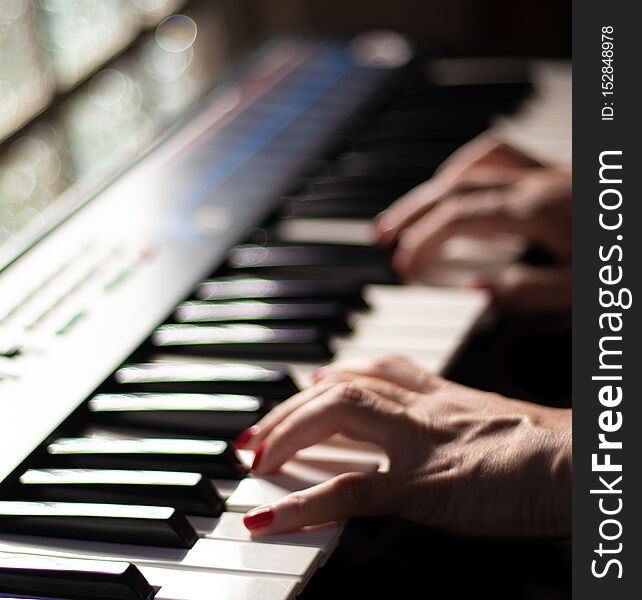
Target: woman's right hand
462	460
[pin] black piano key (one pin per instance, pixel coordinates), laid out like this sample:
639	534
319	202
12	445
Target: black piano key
214	458
495	96
330	316
71	578
224	378
353	200
256	255
398	177
381	137
363	263
330	187
244	341
338	208
211	415
432	121
234	288
9	350
118	523
191	493
402	165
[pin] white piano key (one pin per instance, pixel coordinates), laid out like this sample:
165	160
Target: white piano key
331	231
225	487
433	362
343	450
397	337
215	555
178	584
295	475
233	555
453	299
381	346
430	324
230	527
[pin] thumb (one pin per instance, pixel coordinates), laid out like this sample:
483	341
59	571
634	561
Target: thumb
338	499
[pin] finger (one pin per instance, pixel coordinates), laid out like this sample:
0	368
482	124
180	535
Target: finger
528	290
484	161
338	499
423	198
387	389
483	216
398	370
356	413
253	436
487	149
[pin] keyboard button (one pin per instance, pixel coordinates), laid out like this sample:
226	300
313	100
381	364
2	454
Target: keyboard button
191	493
69	578
210	457
128	524
220	415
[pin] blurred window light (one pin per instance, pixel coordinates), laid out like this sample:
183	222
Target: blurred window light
80	35
25	85
106	112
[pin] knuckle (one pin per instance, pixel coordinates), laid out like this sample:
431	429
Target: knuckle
449	210
352	490
385	364
348	393
337	377
515	278
298	504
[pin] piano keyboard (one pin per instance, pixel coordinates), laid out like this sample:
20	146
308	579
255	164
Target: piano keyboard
126	483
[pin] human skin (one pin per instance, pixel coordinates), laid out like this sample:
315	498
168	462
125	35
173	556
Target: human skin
485	188
461	460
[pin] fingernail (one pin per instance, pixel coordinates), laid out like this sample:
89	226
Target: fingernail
319	374
245	436
381	222
478	284
258	518
257	456
483	284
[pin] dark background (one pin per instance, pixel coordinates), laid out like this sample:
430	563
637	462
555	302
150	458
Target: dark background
464	27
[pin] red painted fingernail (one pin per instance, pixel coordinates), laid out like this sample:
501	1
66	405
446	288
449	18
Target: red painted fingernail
478	284
379	221
258	518
484	284
245	436
319	374
257	456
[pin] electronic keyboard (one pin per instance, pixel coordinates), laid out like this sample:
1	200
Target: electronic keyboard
196	291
